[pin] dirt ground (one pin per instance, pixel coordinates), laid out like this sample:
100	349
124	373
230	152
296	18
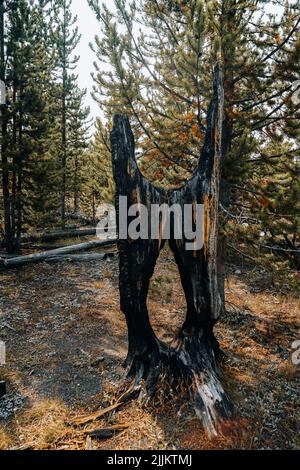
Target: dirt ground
66	341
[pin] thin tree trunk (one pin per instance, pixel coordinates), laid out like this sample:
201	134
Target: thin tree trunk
20	176
76	186
4	145
64	153
228	54
94	206
64	123
14	158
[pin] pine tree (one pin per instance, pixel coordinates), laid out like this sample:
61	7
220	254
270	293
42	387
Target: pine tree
7	229
67	38
98	184
161	75
44	124
26	119
78	136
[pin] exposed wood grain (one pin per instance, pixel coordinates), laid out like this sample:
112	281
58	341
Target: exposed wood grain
98	414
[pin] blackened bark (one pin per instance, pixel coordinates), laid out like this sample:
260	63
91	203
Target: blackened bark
195	356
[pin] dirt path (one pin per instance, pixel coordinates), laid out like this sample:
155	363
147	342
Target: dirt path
66	340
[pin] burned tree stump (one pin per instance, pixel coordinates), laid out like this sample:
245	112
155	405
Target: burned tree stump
195	357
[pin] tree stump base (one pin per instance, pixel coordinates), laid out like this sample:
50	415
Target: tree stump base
194	362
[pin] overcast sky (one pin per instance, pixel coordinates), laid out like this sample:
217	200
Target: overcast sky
89	27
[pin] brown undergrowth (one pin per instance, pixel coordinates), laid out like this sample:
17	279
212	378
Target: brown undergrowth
66	341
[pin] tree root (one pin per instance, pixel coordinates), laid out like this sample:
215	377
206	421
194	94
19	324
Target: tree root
192	361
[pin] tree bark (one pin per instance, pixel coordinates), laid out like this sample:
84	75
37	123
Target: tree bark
195	357
81	218
19	201
44	256
48	237
81	258
64	155
64	120
76	186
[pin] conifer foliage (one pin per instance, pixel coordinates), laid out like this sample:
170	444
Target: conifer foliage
44	124
161	56
154	61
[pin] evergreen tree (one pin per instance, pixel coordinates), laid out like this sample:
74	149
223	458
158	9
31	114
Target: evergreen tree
7	229
161	56
98	184
25	121
44	132
78	136
67	39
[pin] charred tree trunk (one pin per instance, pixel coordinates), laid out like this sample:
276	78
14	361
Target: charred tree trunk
195	357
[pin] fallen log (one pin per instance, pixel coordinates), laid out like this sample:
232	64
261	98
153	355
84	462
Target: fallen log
107	432
48	237
41	247
81	258
81	218
46	255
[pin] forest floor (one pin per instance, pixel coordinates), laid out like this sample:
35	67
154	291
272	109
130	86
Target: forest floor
66	341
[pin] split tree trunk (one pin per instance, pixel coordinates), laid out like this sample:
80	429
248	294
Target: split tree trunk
195	357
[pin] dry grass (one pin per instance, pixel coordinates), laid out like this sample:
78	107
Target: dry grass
43	425
257	334
107	273
289	370
5	440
